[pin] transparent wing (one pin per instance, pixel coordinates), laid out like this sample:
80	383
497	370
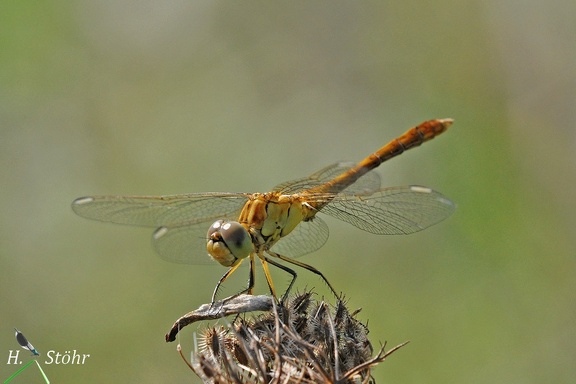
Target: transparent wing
307	237
187	244
368	183
183	245
391	211
154	211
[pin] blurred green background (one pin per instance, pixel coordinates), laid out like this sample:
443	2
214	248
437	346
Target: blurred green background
110	97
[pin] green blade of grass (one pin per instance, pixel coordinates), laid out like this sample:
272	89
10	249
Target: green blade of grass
42	371
19	371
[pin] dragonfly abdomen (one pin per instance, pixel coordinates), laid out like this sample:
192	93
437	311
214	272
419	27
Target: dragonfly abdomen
412	138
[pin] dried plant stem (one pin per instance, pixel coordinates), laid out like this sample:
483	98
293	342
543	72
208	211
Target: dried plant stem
303	341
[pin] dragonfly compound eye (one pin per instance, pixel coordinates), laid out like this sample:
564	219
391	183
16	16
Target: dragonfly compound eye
228	242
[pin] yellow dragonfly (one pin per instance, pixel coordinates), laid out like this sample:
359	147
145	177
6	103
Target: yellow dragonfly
281	224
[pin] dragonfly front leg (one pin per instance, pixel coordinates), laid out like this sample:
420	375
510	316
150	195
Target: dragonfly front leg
222	279
251	277
251	280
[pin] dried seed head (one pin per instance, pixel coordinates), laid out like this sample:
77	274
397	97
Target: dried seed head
305	341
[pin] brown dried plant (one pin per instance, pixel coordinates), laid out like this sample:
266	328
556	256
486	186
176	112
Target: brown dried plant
303	341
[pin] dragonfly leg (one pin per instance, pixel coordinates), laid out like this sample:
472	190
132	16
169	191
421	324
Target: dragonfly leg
251	277
225	276
305	266
265	262
286	269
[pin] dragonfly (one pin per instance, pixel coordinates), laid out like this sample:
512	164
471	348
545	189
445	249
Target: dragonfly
24	343
282	224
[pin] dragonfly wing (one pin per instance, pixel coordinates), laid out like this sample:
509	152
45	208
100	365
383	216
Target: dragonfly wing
368	183
184	245
307	237
392	211
154	211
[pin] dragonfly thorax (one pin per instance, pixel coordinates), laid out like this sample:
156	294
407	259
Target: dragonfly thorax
228	242
271	216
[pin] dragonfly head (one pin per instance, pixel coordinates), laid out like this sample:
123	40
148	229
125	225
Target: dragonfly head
228	242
